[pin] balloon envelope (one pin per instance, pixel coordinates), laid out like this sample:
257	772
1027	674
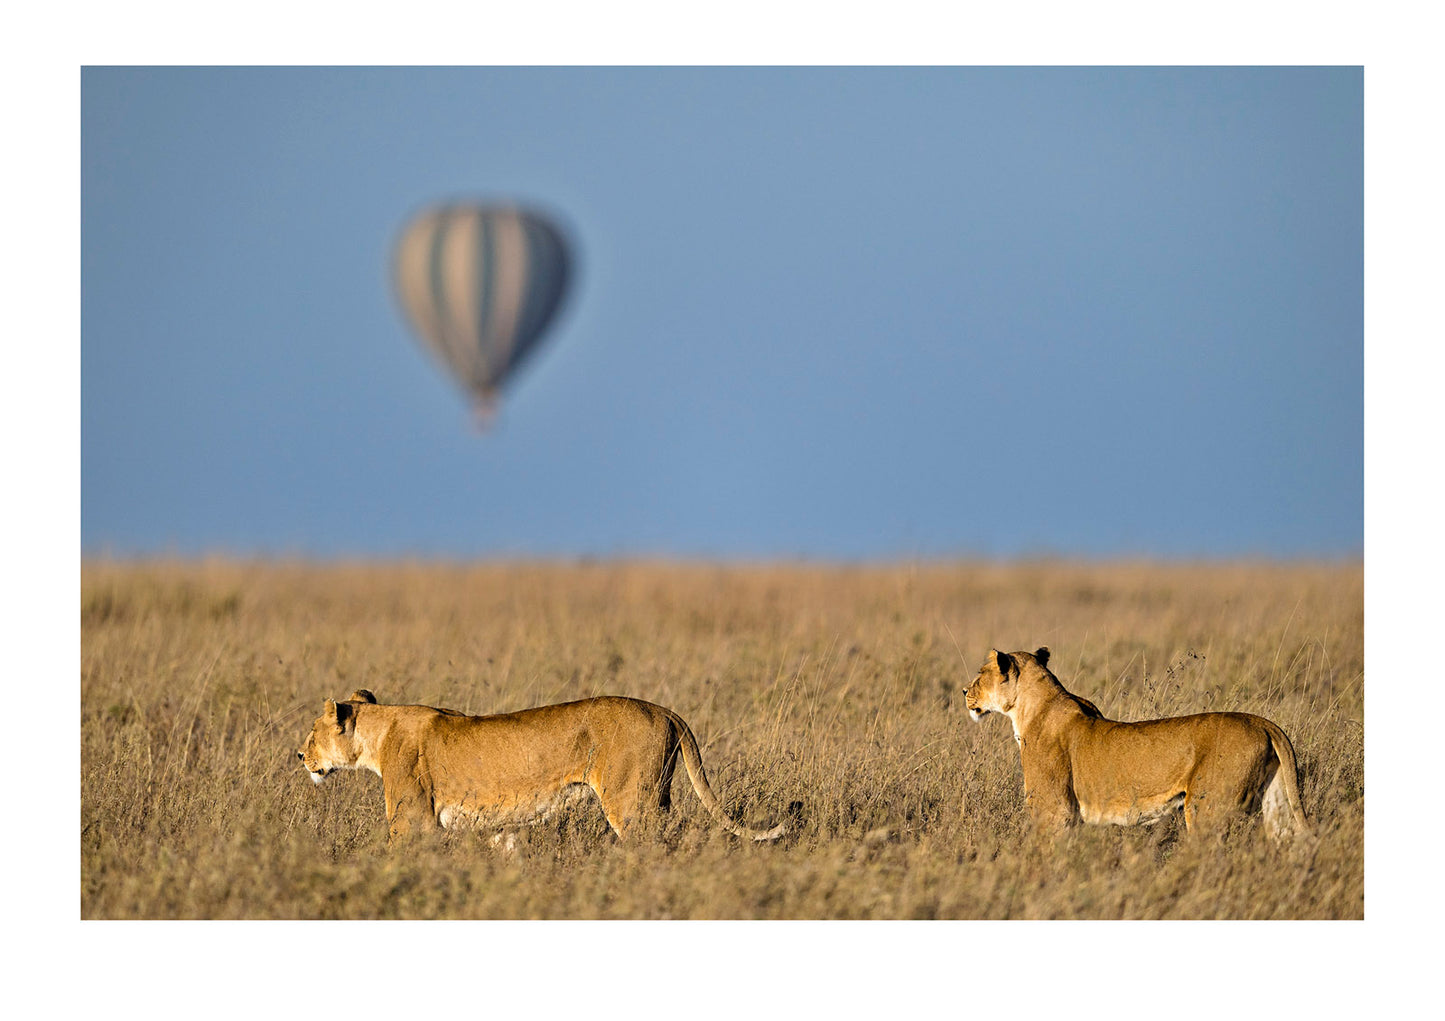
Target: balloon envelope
480	284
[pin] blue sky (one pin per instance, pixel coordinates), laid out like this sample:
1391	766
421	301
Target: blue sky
826	313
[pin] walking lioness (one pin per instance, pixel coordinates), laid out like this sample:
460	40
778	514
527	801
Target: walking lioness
1079	765
440	768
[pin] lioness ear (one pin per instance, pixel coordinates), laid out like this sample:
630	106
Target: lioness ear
362	695
1042	655
329	709
1005	663
345	715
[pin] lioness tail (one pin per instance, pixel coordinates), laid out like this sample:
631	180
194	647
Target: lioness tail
692	760
1288	778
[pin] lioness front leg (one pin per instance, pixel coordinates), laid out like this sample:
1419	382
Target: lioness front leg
1048	794
409	811
1051	813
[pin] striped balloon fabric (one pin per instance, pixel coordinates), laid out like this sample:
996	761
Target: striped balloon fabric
480	284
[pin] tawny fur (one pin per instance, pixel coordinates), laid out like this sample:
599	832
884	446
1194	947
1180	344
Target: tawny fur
1079	766
440	768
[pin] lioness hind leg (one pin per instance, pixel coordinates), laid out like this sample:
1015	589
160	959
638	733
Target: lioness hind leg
635	807
1212	806
1207	809
1203	814
638	790
619	805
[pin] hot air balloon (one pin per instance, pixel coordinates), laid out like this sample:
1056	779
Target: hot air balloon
480	284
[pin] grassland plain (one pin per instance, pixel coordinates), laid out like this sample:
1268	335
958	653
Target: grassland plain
839	686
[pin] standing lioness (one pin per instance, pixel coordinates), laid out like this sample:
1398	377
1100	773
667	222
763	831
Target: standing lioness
442	768
1079	765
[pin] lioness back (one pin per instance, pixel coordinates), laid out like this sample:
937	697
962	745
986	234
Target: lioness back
1080	766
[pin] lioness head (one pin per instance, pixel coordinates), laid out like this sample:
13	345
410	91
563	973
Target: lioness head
331	744
995	689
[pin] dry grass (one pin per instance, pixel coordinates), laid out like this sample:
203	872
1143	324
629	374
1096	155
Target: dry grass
839	686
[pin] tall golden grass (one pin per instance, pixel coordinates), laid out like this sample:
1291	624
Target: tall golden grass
838	686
